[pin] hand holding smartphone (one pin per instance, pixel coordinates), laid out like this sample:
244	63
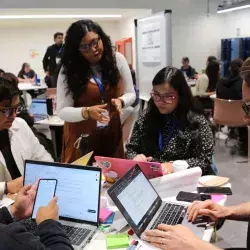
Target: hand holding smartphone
45	193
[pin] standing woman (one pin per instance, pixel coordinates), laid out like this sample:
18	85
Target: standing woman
93	80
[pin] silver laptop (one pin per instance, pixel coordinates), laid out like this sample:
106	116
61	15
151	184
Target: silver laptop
78	190
143	208
39	109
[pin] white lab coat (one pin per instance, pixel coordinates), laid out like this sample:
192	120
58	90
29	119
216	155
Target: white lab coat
24	146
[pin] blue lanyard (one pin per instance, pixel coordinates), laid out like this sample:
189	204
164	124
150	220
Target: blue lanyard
168	139
100	86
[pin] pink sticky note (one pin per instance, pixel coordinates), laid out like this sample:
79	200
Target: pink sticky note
104	214
218	197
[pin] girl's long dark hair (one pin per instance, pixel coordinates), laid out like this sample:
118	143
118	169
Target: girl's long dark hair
212	71
184	113
77	68
22	72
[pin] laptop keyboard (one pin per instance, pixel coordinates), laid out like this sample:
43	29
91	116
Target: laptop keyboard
75	234
171	214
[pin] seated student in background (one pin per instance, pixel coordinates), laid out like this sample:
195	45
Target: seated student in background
48	235
231	87
206	84
187	70
26	74
17	141
173	127
1	72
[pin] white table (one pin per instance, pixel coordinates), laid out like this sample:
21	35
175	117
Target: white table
99	239
24	87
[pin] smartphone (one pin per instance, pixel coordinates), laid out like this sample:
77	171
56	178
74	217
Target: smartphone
46	190
246	108
190	197
215	190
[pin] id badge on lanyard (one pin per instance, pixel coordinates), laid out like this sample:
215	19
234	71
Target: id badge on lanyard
168	139
58	58
102	91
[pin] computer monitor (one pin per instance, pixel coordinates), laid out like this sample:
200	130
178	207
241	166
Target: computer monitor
39	107
78	188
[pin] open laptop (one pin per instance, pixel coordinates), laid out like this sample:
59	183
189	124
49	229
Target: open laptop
113	169
143	208
78	190
39	109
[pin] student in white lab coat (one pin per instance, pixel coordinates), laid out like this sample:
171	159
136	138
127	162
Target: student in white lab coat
17	141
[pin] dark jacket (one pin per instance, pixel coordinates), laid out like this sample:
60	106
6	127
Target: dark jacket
230	88
14	236
29	75
49	60
190	72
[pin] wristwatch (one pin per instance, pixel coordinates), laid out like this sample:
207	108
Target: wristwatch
5	188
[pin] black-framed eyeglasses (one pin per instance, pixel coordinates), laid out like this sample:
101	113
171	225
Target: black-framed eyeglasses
87	47
8	112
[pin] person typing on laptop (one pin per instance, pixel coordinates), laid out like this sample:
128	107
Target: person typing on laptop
179	237
50	234
173	128
17	142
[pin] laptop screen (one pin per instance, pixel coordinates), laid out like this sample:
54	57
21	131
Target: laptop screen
136	198
78	188
39	107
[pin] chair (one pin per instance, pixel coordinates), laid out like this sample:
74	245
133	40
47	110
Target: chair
229	113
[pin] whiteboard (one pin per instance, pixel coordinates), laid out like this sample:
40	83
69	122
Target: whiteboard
154	49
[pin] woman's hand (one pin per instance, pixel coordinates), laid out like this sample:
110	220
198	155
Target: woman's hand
167	168
96	113
118	104
142	158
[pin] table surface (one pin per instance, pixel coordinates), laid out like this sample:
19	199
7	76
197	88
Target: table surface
52	120
99	239
29	86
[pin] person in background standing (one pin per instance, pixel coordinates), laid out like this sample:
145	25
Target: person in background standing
187	70
26	74
94	84
52	59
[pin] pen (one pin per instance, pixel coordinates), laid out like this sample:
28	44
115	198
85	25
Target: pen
133	245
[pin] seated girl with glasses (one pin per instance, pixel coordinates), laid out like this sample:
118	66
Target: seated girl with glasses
173	127
17	141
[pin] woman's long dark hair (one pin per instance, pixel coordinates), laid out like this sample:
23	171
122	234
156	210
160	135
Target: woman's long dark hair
77	68
184	112
22	72
212	71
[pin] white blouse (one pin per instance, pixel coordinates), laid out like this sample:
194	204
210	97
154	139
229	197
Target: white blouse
65	103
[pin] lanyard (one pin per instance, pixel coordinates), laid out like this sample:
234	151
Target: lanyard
100	86
168	139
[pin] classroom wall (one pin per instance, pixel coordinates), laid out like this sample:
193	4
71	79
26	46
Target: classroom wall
236	20
194	34
17	43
